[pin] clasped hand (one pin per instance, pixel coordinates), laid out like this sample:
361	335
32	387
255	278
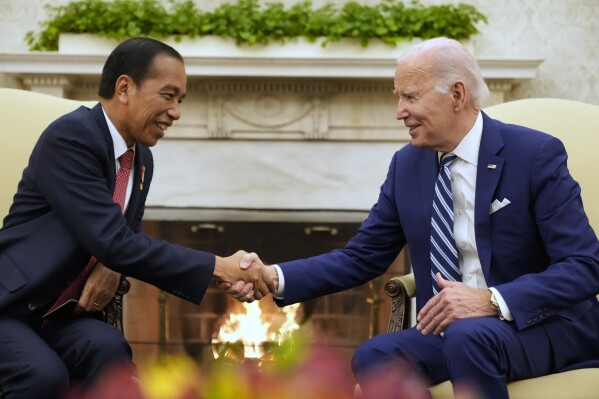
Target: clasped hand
99	289
244	276
455	301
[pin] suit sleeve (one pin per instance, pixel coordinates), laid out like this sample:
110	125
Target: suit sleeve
71	166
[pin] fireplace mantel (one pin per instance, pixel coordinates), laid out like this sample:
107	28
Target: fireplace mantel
81	57
55	73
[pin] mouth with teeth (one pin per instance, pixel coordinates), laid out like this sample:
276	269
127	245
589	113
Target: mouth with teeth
411	128
162	126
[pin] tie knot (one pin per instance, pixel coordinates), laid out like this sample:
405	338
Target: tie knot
447	159
126	160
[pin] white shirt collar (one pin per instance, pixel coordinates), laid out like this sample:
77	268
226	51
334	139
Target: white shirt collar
469	147
120	147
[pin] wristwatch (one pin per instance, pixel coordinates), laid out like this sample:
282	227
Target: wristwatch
496	305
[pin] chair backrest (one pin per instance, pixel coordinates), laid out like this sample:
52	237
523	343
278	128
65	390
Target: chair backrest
576	124
25	115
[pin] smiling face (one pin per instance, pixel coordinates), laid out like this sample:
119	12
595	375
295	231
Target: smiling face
428	114
153	105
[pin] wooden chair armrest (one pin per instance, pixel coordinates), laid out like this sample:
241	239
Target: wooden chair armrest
400	290
113	314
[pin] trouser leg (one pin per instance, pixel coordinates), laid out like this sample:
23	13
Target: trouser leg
479	355
88	347
29	368
482	354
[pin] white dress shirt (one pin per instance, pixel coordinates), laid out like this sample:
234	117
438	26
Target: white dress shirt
463	186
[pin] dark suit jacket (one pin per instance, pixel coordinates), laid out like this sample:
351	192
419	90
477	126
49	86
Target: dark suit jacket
63	212
539	251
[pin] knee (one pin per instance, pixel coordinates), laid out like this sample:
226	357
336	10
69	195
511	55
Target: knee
100	352
368	354
371	354
108	345
381	370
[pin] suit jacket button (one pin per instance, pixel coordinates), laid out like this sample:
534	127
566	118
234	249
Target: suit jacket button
527	319
31	307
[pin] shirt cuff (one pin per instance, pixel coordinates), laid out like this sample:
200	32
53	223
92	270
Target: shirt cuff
505	311
279	293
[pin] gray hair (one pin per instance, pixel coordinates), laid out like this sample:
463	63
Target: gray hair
451	62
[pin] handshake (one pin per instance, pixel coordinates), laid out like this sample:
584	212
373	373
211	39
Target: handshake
245	277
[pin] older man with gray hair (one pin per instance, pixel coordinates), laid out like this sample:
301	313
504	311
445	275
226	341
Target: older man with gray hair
506	263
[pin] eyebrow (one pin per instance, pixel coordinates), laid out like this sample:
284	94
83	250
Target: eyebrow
170	87
405	92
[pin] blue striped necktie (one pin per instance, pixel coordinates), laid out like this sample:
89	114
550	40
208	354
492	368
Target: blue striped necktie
444	254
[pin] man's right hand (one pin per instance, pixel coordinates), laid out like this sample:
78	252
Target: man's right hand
270	275
244	284
243	291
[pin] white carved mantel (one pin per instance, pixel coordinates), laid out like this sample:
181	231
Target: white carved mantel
55	73
293	136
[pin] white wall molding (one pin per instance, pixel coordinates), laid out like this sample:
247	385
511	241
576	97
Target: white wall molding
52	63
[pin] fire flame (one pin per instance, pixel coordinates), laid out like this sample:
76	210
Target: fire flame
253	332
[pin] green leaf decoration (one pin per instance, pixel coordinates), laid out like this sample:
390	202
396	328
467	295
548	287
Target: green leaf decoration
250	22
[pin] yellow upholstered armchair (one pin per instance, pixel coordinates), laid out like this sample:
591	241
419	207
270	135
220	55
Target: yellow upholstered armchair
25	115
577	125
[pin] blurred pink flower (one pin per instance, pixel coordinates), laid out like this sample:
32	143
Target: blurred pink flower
290	371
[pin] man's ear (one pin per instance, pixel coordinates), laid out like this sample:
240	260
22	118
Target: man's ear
123	86
458	95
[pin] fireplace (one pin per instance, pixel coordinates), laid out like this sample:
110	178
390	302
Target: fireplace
171	325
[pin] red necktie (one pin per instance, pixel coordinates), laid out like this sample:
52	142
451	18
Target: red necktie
75	288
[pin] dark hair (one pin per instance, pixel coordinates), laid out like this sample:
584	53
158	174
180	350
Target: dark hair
134	58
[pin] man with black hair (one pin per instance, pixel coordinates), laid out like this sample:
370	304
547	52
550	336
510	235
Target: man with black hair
74	228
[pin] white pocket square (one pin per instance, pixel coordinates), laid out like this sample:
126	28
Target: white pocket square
496	205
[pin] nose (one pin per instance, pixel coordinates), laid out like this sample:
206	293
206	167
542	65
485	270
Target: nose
401	112
175	111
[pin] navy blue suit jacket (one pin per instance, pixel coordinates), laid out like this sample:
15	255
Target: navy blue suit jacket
539	251
63	212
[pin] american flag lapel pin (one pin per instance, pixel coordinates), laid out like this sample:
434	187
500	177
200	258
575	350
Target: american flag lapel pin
143	173
491	166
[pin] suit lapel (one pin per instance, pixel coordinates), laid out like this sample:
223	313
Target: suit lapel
490	167
101	122
428	172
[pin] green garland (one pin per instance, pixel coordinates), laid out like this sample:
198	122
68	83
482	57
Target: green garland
249	22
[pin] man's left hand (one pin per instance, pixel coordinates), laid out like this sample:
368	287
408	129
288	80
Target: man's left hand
455	301
99	289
